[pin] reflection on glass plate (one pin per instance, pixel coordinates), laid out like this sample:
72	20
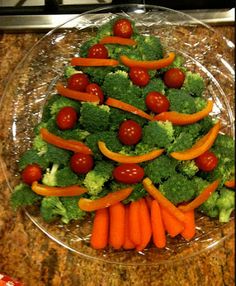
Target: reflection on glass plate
204	50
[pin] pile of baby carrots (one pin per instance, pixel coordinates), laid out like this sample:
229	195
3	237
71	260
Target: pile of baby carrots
134	225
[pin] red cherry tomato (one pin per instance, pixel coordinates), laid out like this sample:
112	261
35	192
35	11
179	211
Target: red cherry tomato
66	118
207	161
31	173
78	81
130	132
174	78
139	76
98	51
123	28
157	102
128	173
95	89
81	163
8	281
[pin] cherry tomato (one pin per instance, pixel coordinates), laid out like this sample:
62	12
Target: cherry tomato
81	163
123	28
98	51
139	76
31	173
207	161
130	132
66	118
95	89
128	173
157	102
78	81
174	78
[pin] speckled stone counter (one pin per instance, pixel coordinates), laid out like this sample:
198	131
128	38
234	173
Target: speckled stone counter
30	256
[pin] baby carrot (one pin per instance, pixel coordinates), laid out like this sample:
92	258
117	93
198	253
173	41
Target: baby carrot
158	231
145	225
117	225
134	223
149	202
189	225
99	238
128	244
171	224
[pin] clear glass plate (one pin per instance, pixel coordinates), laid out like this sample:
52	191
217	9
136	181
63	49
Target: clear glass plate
205	51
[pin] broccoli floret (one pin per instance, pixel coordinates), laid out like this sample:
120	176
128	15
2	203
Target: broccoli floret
206	124
225	204
225	141
23	196
40	145
32	157
200	103
72	208
155	84
52	209
177	63
86	46
193	84
97	74
161	169
63	102
137	193
178	189
69	71
74	134
57	155
119	86
193	129
180	101
106	29
60	178
117	116
94	118
158	134
188	168
109	137
96	178
46	115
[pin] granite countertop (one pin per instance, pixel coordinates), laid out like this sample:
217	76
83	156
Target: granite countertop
31	257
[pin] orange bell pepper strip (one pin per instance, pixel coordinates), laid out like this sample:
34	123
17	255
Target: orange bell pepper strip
126	158
177	118
230	184
91	62
49	191
200	199
200	147
127	107
71	145
162	200
150	65
117	40
104	202
77	95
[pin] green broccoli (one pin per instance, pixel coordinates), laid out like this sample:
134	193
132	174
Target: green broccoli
63	102
40	145
46	115
180	101
97	74
225	141
94	118
109	137
158	134
86	46
193	84
177	63
178	189
32	157
60	177
74	134
225	204
23	196
119	86
161	168
69	71
96	178
188	168
156	84
137	193
200	103
206	124
57	155
72	208
52	208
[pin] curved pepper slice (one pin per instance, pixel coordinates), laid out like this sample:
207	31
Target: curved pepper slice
45	190
126	158
91	62
183	119
104	202
117	40
204	195
72	145
201	146
230	184
150	65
